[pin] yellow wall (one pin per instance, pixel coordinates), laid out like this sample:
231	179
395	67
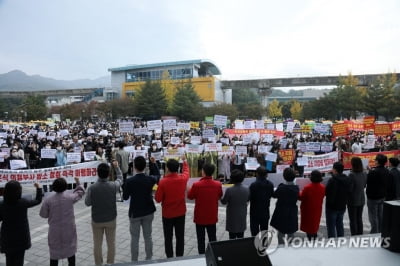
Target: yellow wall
204	87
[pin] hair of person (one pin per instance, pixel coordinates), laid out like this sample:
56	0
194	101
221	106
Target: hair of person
121	144
237	176
356	164
338	166
59	185
394	161
173	165
139	163
103	170
316	176
261	172
208	169
12	192
288	174
381	159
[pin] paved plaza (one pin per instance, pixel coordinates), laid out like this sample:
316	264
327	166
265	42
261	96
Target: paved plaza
39	253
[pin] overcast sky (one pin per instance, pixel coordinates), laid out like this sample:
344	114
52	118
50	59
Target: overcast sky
71	39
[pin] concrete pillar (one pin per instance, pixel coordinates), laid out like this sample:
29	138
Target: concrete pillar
264	92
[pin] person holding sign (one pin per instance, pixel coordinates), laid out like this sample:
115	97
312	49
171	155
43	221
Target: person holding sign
15	162
58	208
15	236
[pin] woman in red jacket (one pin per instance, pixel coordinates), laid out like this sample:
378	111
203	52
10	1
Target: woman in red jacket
311	198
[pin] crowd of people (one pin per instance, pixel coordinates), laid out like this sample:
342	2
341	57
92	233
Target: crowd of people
118	171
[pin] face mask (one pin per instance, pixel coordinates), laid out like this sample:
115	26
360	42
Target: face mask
101	142
48	147
15	147
14	154
154	148
59	148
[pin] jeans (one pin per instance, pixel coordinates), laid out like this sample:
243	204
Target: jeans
168	226
15	258
236	235
334	222
258	223
146	223
71	261
375	214
201	236
355	217
108	229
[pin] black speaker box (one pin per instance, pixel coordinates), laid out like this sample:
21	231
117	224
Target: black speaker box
235	252
391	225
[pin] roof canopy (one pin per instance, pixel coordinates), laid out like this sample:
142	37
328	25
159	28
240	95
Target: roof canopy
202	62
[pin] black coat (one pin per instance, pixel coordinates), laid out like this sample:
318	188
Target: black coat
285	214
377	183
15	235
337	192
261	192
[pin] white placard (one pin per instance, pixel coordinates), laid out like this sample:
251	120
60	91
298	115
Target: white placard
267	138
290	126
41	135
326	146
157	155
64	132
2	156
195	139
365	163
280	168
103	132
169	124
73	157
17	164
48	153
140	153
140	131
279	126
271	126
3	135
264	149
226	150
158	142
90	131
52	138
239	150
249	124
260	124
208	133
33	132
89	155
239	124
175	140
302	146
154	124
126	127
220	120
302	161
370	142
191	148
271	157
6	127
247	139
183	126
313	146
224	140
212	147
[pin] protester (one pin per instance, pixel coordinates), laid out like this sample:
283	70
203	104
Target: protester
14	233
261	192
235	199
312	197
394	183
337	193
356	201
59	209
139	189
206	192
101	197
171	194
377	186
122	157
284	218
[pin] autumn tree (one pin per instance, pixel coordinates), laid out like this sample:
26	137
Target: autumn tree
274	109
295	109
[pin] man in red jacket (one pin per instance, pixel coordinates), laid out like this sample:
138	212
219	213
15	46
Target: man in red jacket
206	193
171	193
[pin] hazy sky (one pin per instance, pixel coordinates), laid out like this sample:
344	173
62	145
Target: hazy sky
71	39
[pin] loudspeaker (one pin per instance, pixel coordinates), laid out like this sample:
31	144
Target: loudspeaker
390	225
235	252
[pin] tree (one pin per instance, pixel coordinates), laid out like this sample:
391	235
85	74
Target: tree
295	109
347	96
222	109
150	101
34	107
254	111
244	97
274	109
286	110
186	103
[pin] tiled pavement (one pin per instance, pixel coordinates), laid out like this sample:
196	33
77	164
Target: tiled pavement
39	254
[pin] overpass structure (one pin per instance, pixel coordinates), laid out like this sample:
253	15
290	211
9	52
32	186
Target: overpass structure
49	93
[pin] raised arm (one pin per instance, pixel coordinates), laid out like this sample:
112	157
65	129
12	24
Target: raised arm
38	198
79	191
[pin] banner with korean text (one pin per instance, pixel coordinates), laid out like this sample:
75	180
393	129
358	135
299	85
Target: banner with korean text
323	162
87	172
233	132
367	155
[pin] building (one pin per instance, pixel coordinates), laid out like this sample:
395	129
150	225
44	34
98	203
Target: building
126	80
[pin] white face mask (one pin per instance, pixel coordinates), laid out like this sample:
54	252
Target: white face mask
15	147
59	148
14	154
48	147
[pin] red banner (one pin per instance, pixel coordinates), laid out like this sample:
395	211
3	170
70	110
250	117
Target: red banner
396	126
339	130
233	132
367	155
369	122
287	156
355	125
383	129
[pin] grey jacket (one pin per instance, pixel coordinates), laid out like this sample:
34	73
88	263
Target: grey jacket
102	197
236	198
357	195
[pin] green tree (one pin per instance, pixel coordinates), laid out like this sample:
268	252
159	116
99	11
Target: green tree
253	111
150	102
222	109
33	107
244	97
295	109
274	109
286	110
347	96
186	103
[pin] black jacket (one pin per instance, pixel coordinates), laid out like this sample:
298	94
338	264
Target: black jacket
337	192
140	189
377	181
394	185
261	192
15	235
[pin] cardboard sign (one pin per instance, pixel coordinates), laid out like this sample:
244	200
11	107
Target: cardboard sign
126	127
169	124
17	164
